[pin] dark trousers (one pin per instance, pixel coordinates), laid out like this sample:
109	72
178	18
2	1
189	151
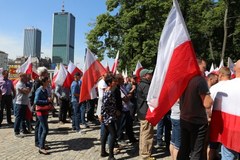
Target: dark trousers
6	103
108	129
127	124
20	113
90	109
64	105
166	126
192	141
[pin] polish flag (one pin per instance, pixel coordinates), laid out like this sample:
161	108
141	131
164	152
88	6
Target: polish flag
63	77
115	64
176	65
26	67
54	77
93	70
34	73
138	70
107	67
225	120
72	69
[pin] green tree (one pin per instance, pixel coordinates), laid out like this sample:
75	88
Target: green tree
134	26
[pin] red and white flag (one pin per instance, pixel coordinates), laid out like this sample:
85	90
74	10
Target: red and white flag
138	70
176	65
26	67
225	120
93	70
115	64
54	77
107	67
34	73
72	69
63	77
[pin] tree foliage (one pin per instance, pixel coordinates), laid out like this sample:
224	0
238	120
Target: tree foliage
134	26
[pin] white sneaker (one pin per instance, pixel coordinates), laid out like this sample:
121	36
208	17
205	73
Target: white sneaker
81	132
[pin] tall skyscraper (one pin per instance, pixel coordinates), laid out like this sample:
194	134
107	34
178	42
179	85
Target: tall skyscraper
32	42
63	37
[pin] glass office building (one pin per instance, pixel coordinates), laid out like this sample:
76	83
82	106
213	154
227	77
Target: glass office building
63	38
32	42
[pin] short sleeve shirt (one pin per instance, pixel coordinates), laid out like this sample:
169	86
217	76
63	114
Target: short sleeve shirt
21	98
191	105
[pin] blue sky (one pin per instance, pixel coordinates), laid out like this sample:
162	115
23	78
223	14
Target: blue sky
16	15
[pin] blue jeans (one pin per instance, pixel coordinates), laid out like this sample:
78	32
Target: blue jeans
76	116
228	154
42	130
20	112
82	112
176	133
108	129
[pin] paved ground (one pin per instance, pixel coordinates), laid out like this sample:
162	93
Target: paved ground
65	144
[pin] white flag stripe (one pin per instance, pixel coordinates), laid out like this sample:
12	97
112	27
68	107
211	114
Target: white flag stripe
226	98
62	74
71	67
174	34
89	60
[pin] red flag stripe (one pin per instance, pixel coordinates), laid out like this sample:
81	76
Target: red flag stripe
176	80
229	136
90	78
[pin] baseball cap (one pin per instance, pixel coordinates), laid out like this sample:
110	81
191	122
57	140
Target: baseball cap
145	71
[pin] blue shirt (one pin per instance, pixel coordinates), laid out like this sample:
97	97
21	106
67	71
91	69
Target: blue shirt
75	89
41	97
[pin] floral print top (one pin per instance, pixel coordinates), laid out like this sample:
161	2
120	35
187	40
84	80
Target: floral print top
109	109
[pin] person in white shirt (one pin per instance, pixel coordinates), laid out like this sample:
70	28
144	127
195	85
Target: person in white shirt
224	74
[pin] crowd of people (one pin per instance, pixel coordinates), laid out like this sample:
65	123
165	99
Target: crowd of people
122	102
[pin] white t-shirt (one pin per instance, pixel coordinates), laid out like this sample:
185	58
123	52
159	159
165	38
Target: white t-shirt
101	86
227	98
216	88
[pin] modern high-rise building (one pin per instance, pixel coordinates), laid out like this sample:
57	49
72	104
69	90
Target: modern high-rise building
32	42
63	37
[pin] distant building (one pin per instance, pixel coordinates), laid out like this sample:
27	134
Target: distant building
3	60
32	42
63	37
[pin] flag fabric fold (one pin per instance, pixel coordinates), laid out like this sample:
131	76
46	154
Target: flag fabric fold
63	77
55	73
176	65
115	64
72	69
93	70
138	70
26	67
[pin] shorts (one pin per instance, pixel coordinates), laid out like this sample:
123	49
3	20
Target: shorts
176	133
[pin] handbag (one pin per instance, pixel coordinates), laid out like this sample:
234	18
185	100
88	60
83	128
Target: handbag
44	108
